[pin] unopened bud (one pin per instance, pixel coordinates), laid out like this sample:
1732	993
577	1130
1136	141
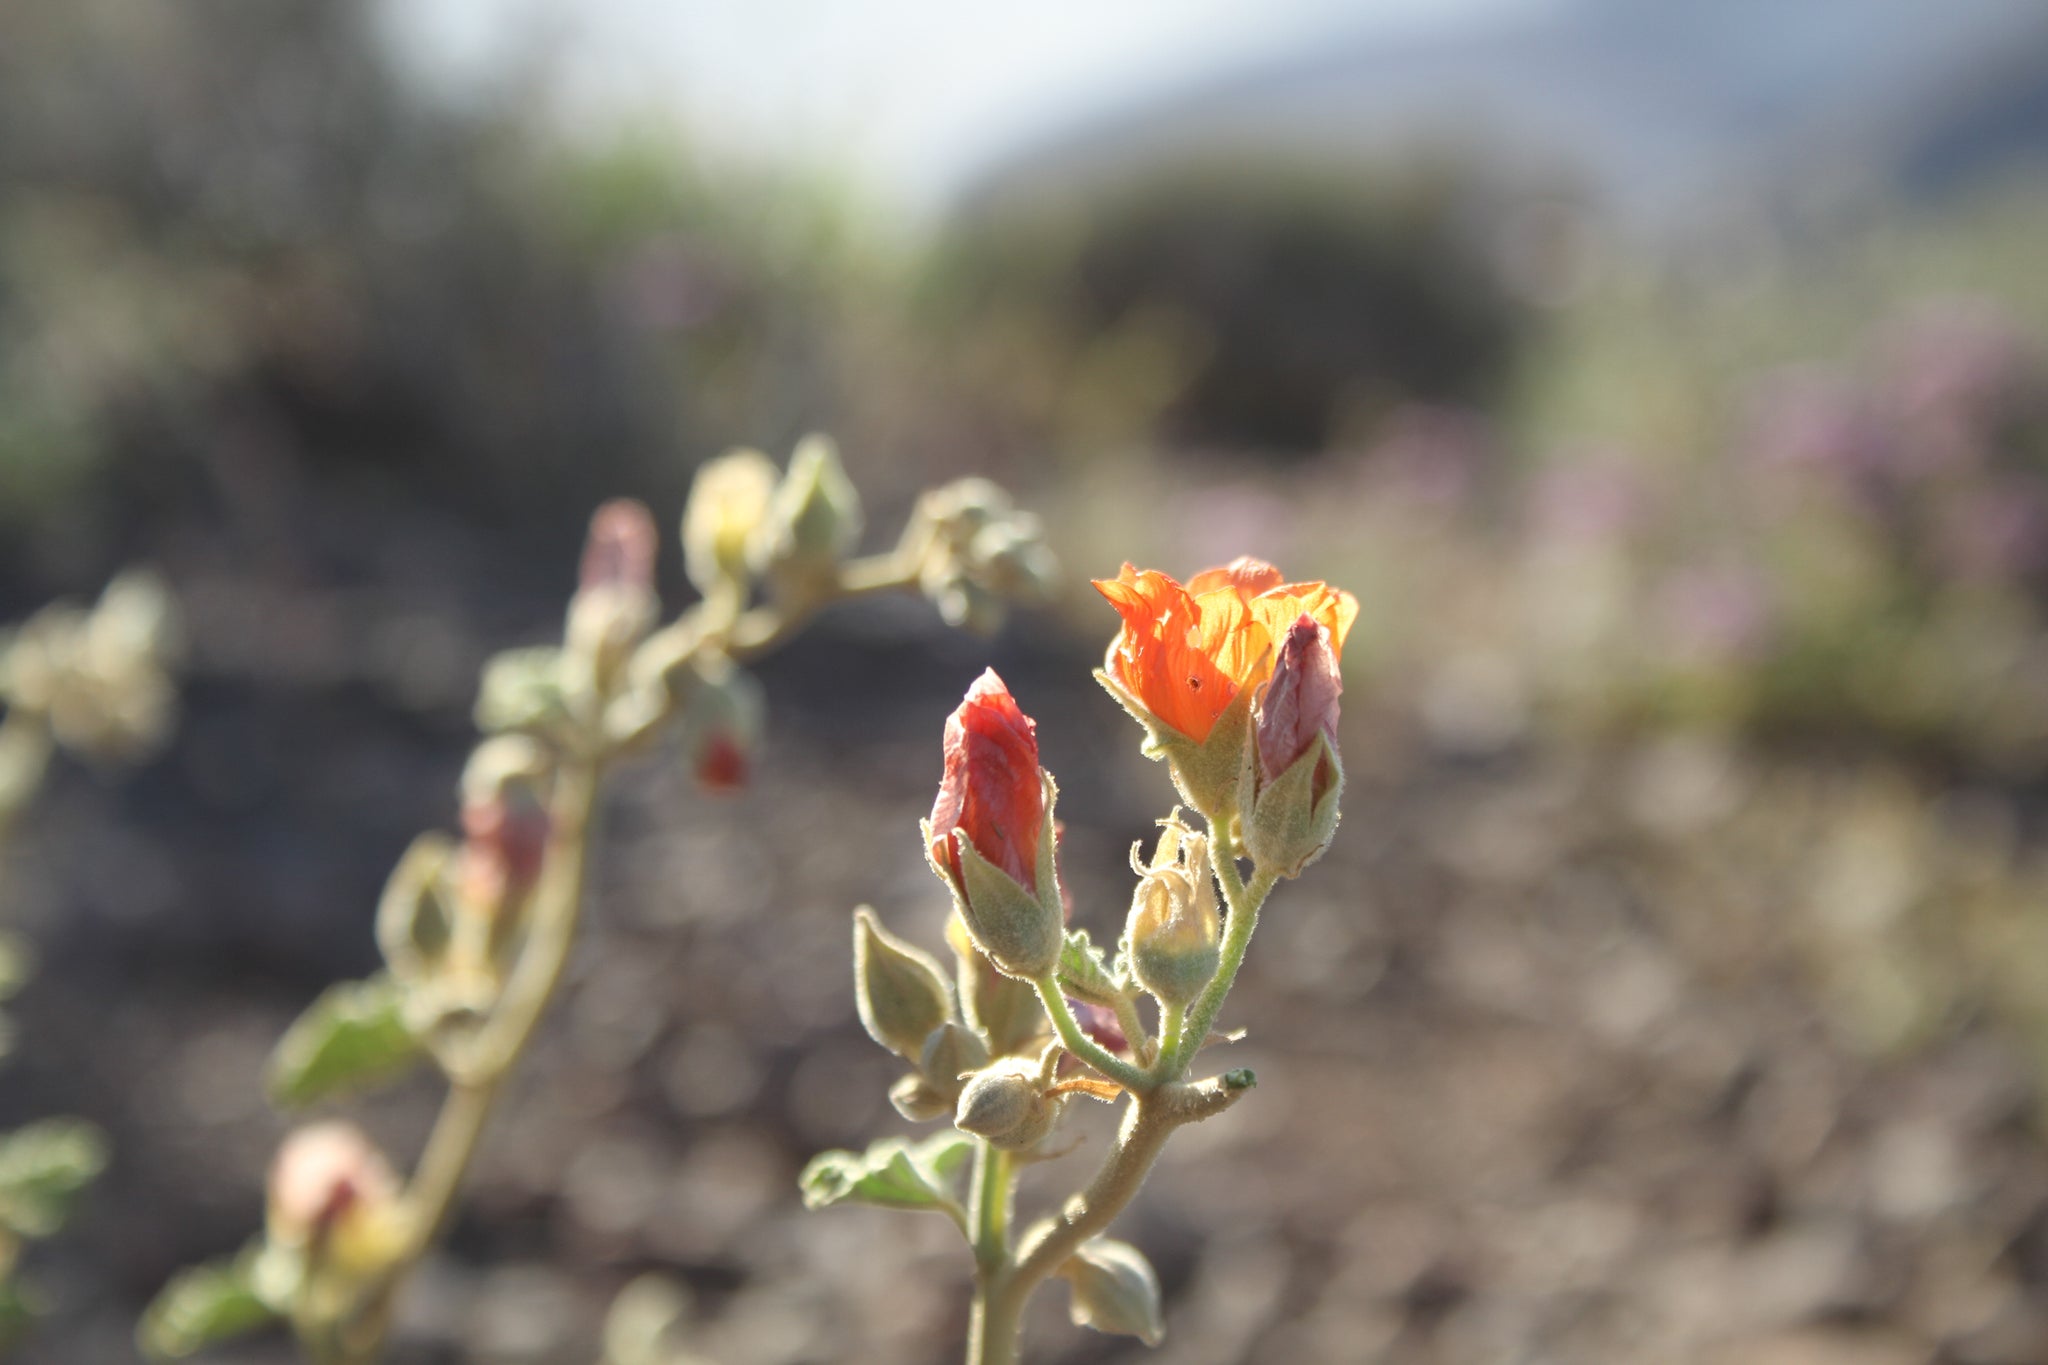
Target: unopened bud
813	521
729	500
1007	1104
1003	1009
950	1053
722	709
505	823
991	838
900	991
334	1200
1115	1290
1174	926
918	1100
615	603
1290	792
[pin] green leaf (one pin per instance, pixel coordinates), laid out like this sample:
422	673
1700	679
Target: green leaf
522	690
891	1174
1084	974
353	1035
43	1167
201	1306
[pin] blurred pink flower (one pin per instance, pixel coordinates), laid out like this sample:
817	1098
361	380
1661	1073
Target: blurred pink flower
1717	613
1595	497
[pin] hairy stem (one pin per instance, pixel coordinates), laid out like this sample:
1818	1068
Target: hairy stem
1081	1045
1148	1121
557	908
1244	902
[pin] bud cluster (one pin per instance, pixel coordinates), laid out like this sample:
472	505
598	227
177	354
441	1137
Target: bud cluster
1235	680
975	552
97	678
476	928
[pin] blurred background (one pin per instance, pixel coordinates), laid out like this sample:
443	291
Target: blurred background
1669	379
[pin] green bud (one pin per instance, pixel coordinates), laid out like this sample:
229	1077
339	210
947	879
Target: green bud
1007	1104
950	1053
813	520
1115	1290
919	1100
1174	926
729	500
901	993
1289	821
1004	1010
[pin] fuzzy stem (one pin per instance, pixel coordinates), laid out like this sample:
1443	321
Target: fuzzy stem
1081	1045
1244	902
558	905
1172	1018
1148	1121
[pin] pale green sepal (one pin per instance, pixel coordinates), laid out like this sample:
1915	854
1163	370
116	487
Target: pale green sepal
1115	1290
951	1053
1289	824
1085	974
1206	774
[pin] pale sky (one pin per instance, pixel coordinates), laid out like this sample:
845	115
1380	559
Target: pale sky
910	96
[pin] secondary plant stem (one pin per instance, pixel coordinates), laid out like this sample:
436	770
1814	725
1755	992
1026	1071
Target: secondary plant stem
1074	1040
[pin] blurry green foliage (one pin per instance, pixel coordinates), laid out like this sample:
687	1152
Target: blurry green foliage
1287	297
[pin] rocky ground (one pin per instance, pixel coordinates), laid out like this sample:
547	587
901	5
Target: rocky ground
1551	1063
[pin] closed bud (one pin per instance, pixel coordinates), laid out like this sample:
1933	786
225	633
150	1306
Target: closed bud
901	994
813	521
1174	926
1290	790
1004	1010
505	826
334	1201
722	713
1115	1290
918	1100
950	1053
990	836
1007	1104
615	603
729	500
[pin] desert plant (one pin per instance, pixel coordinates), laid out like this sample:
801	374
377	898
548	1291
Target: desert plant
475	932
1235	679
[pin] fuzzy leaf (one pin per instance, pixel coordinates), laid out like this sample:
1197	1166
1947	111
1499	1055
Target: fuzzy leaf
200	1307
1085	975
891	1174
521	689
353	1035
43	1167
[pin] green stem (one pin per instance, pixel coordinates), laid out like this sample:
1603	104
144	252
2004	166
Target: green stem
1171	1020
989	1213
1148	1121
1081	1045
1244	902
761	629
557	908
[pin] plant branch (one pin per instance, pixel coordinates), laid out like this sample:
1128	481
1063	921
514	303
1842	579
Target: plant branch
1074	1040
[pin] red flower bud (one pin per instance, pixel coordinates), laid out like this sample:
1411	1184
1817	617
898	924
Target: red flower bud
722	764
993	790
504	842
1301	699
621	547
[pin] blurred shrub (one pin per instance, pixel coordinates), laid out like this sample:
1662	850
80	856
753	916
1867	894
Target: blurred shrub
239	253
1277	300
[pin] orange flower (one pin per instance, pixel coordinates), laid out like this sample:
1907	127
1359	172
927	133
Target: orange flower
1185	653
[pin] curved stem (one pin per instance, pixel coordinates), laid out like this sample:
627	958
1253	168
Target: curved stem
557	908
1172	1019
1074	1040
1244	902
1148	1122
